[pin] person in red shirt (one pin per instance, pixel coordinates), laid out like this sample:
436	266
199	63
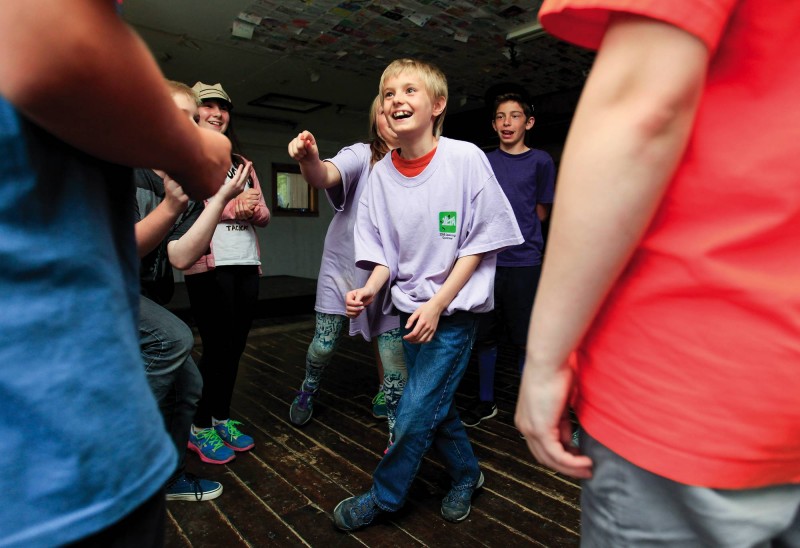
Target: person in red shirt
673	275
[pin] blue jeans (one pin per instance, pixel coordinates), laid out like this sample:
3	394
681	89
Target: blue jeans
166	344
427	416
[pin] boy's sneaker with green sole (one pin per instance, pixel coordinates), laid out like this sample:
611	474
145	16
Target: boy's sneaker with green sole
379	405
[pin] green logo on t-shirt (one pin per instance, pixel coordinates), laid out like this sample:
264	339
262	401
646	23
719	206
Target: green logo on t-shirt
447	222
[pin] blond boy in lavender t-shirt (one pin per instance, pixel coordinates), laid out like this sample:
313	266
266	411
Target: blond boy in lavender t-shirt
430	224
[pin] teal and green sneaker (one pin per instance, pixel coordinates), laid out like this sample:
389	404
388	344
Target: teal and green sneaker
379	405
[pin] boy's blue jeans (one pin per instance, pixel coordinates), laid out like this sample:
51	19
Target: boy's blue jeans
427	415
166	344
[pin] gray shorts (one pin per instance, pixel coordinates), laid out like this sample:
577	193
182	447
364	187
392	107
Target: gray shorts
624	505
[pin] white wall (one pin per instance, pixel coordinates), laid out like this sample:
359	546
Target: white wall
290	246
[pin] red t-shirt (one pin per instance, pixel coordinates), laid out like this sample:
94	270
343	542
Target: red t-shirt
691	369
413	167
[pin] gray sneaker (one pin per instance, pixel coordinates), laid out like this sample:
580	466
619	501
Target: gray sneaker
355	512
458	502
302	407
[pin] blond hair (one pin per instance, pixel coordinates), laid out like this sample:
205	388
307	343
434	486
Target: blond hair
432	78
179	87
377	144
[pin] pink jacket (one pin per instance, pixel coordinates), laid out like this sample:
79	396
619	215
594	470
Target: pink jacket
260	218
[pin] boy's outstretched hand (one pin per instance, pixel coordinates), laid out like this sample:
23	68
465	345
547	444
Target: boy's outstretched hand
303	148
357	300
426	318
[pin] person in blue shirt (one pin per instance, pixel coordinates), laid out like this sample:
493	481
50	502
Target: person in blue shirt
82	460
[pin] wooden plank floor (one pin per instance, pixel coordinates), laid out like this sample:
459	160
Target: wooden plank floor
282	493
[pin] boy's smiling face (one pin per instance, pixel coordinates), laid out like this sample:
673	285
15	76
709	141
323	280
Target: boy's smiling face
408	105
510	123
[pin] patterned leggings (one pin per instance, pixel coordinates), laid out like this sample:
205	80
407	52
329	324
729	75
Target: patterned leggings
327	334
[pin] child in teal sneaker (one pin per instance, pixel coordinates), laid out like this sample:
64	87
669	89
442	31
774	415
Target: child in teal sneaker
344	179
223	292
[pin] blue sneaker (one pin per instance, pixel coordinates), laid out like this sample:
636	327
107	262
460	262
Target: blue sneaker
458	502
210	447
379	406
190	487
355	512
302	406
232	437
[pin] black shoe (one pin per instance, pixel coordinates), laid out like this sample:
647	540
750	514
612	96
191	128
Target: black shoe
478	411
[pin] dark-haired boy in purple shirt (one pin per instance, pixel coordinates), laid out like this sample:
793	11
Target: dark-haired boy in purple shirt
527	177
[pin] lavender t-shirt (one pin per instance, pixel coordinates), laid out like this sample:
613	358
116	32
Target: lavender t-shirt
337	273
419	226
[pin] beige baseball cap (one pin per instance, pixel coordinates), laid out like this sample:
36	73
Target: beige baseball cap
207	91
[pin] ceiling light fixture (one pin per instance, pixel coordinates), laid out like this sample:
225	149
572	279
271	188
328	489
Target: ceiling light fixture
276	122
526	32
287	102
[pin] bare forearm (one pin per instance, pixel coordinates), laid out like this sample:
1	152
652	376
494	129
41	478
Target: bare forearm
459	276
320	174
378	278
106	78
151	230
184	252
625	142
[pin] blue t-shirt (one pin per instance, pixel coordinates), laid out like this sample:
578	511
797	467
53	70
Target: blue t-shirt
83	440
527	179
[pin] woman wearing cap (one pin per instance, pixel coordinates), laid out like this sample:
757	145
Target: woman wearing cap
223	290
